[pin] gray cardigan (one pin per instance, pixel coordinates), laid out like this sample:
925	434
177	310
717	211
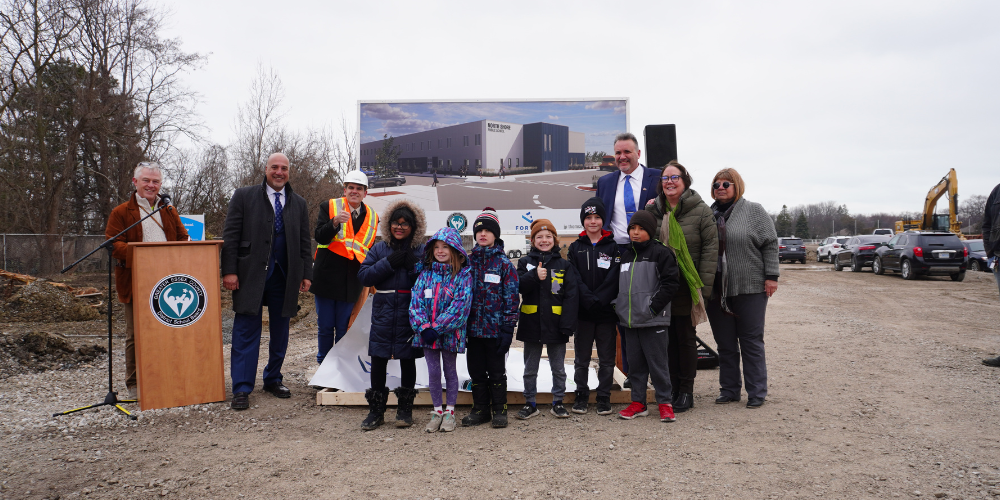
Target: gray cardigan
751	248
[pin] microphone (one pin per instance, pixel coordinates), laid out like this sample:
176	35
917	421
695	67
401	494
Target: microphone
164	199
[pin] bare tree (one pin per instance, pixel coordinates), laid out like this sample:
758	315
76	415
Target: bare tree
258	123
971	211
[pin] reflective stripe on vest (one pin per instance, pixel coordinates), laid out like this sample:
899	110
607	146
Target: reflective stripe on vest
347	243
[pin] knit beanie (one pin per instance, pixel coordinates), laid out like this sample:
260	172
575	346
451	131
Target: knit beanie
644	220
592	206
540	224
487	220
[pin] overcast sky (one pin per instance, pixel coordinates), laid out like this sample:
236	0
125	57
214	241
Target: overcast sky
863	103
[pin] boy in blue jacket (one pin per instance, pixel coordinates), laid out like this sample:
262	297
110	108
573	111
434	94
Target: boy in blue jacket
491	322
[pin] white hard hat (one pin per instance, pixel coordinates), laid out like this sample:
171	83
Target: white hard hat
356	177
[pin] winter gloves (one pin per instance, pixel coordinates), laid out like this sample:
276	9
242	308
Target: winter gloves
429	335
506	337
410	261
397	258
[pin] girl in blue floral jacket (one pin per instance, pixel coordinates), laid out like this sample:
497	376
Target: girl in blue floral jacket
439	309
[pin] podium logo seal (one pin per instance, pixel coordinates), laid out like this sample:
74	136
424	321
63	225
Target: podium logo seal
178	300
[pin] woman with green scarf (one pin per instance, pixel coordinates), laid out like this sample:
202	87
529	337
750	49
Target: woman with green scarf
685	223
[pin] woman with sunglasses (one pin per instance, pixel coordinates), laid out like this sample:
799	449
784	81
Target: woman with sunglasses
747	275
685	223
391	268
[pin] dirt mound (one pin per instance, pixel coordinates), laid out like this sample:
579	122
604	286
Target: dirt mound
40	351
40	301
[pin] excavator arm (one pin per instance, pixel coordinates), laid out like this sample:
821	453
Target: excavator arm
949	184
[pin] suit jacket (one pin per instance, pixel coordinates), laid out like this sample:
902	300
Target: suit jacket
246	247
123	216
607	186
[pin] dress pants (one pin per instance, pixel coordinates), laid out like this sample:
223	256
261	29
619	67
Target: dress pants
485	364
332	317
682	351
647	350
587	334
740	336
246	338
130	380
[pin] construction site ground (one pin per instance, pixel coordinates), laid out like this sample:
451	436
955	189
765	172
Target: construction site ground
876	390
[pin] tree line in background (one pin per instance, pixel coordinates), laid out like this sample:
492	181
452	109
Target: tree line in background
819	220
89	88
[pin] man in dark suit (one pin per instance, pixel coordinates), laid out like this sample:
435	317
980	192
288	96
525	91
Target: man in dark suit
265	261
611	188
624	193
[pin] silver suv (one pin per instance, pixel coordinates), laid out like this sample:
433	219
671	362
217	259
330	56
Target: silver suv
830	247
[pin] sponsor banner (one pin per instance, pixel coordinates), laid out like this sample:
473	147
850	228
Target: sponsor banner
195	225
567	221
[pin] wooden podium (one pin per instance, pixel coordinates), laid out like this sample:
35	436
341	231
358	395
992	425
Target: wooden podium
178	323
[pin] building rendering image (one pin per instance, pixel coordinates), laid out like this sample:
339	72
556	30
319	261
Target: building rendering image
486	145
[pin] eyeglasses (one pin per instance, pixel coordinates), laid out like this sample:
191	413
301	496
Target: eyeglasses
723	185
674	178
400	225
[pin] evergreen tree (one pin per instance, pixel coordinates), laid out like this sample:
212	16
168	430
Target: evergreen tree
802	226
783	223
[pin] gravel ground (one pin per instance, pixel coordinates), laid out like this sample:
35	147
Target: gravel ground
876	391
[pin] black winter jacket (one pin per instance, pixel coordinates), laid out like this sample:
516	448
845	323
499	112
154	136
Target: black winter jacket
596	268
549	307
991	223
647	281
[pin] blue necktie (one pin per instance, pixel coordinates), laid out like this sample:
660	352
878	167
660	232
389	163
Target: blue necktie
629	200
279	221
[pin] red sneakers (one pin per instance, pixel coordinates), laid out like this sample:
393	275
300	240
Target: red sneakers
667	413
636	409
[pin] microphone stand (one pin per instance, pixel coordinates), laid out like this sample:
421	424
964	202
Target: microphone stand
111	399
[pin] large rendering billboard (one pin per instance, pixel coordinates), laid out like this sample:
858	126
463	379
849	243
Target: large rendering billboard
527	158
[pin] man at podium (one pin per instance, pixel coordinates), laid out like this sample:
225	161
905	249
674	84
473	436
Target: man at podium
265	261
164	225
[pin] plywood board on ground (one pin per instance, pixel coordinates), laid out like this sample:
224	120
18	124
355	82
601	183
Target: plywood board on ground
330	397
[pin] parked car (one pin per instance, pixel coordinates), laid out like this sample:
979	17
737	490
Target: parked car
829	247
977	255
884	231
791	249
915	253
393	180
858	253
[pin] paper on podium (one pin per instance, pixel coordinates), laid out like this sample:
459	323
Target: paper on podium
347	367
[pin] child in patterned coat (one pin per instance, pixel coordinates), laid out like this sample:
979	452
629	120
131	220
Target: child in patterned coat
491	322
439	310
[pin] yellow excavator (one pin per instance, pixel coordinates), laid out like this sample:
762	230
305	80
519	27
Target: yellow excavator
937	222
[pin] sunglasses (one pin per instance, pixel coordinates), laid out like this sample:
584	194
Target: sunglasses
723	185
674	178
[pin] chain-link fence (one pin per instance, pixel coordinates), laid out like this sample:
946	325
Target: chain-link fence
47	254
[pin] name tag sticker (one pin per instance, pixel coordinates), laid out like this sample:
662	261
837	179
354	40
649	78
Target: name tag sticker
492	278
529	267
428	293
626	265
604	263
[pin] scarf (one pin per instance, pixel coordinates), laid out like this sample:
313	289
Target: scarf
676	241
720	221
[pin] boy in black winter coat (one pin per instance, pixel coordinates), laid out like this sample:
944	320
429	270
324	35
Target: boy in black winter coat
595	258
548	314
647	280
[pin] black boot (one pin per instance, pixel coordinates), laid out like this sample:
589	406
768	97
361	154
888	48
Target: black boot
404	406
480	413
498	394
684	402
376	408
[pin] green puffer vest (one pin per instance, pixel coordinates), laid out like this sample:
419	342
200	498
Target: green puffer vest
702	237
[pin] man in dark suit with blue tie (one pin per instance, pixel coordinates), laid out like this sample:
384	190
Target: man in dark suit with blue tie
266	261
624	192
639	180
